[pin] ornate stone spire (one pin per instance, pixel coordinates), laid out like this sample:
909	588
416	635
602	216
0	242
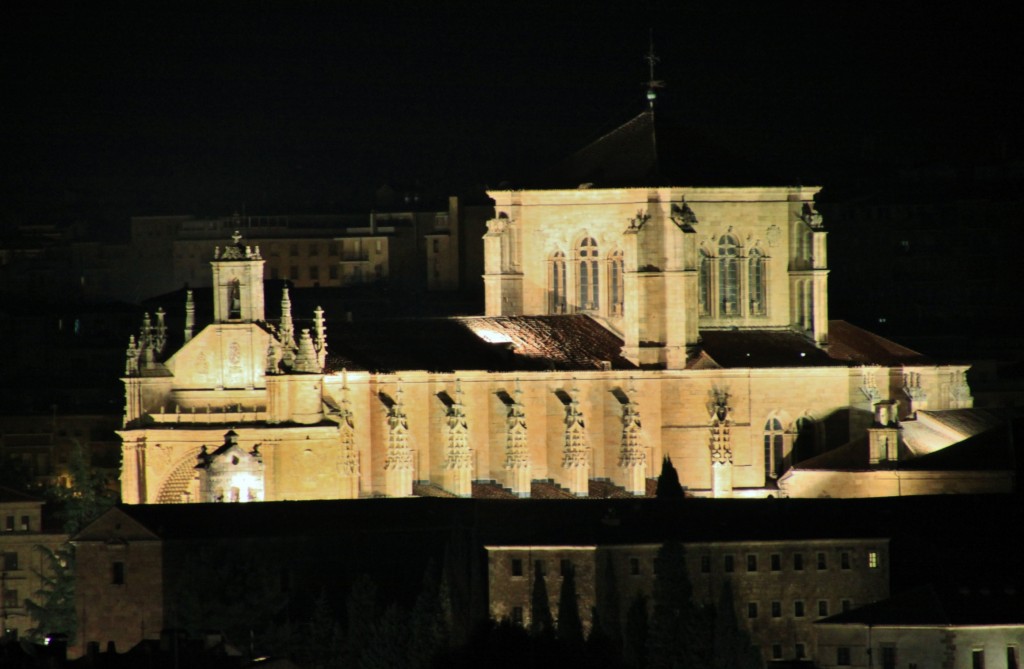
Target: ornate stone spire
575	463
131	363
517	451
287	325
320	337
458	459
348	458
398	461
305	358
720	443
632	457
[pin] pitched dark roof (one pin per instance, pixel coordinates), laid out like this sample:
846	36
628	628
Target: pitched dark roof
848	345
506	343
928	605
656	149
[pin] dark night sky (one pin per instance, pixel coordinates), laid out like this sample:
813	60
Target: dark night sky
140	108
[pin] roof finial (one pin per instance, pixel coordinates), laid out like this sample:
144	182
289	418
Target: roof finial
652	83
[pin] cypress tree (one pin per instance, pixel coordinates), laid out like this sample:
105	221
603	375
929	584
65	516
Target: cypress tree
541	623
570	627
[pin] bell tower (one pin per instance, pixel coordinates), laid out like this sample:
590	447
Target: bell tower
237	283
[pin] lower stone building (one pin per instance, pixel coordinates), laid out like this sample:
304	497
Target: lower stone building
953	628
779	588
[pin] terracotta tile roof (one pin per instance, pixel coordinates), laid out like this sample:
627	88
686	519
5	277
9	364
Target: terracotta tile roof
549	490
856	346
491	490
421	489
607	490
507	343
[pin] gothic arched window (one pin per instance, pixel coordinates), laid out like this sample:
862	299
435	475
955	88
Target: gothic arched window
774	440
756	283
556	288
728	276
616	282
589	275
704	286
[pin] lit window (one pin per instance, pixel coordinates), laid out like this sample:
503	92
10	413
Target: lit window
873	559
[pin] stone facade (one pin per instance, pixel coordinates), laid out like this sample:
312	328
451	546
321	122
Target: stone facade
666	273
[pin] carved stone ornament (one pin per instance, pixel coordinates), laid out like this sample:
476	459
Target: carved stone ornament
682	215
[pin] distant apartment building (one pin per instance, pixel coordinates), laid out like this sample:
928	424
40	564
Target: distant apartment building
23	563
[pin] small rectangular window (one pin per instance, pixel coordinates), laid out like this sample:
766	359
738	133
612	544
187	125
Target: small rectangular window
117	573
705	564
843	656
751	563
844	560
798	561
11	561
978	658
24	524
332	249
540	568
293	272
729	564
437	245
1012	657
314	249
776	609
10	524
634	566
11	599
333	272
801	651
873	559
776	651
517	567
822	561
822	607
888	657
776	562
314	273
752	610
798	609
517	615
846	605
565	566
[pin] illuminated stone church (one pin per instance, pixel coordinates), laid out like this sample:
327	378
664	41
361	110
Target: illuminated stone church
623	325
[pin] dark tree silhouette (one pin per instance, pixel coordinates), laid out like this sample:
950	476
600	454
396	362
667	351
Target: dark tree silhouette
570	628
668	481
733	648
541	623
679	633
608	612
634	644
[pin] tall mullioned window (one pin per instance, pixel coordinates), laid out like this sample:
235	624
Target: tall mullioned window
590	294
616	282
773	445
756	283
728	276
557	288
704	283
